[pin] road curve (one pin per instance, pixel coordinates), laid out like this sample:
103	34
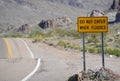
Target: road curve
21	63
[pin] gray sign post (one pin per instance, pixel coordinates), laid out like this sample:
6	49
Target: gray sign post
103	62
84	61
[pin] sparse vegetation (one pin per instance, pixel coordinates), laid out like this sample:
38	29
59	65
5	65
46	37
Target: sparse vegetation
66	38
13	36
71	39
93	40
115	52
64	33
68	45
37	35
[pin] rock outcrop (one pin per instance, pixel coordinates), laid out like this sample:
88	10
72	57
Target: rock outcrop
113	16
24	29
116	8
116	5
56	22
95	13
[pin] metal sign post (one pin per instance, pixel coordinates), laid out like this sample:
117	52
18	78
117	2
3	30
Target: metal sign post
103	62
84	61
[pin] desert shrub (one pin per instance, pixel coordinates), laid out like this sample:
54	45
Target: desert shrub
110	40
91	50
113	52
93	40
98	45
117	41
64	33
37	35
98	50
61	43
68	45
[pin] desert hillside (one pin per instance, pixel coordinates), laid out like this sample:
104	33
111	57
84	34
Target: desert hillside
19	12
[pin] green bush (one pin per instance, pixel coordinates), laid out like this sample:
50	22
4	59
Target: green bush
98	50
113	52
91	50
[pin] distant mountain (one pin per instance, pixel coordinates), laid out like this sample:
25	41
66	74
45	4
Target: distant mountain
18	12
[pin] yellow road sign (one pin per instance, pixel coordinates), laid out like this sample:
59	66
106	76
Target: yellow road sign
92	24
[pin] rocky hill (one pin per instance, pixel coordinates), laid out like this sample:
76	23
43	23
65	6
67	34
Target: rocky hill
116	5
18	12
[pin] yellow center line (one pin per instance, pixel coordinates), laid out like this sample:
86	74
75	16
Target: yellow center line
9	48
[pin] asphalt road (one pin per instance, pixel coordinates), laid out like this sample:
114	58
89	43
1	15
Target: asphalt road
3	50
19	65
55	64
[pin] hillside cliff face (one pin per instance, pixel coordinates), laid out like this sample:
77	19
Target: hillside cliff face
19	12
116	5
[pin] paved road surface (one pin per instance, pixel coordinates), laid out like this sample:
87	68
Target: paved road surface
3	50
20	65
56	64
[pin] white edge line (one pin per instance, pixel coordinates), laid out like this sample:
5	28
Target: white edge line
37	66
28	48
33	72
